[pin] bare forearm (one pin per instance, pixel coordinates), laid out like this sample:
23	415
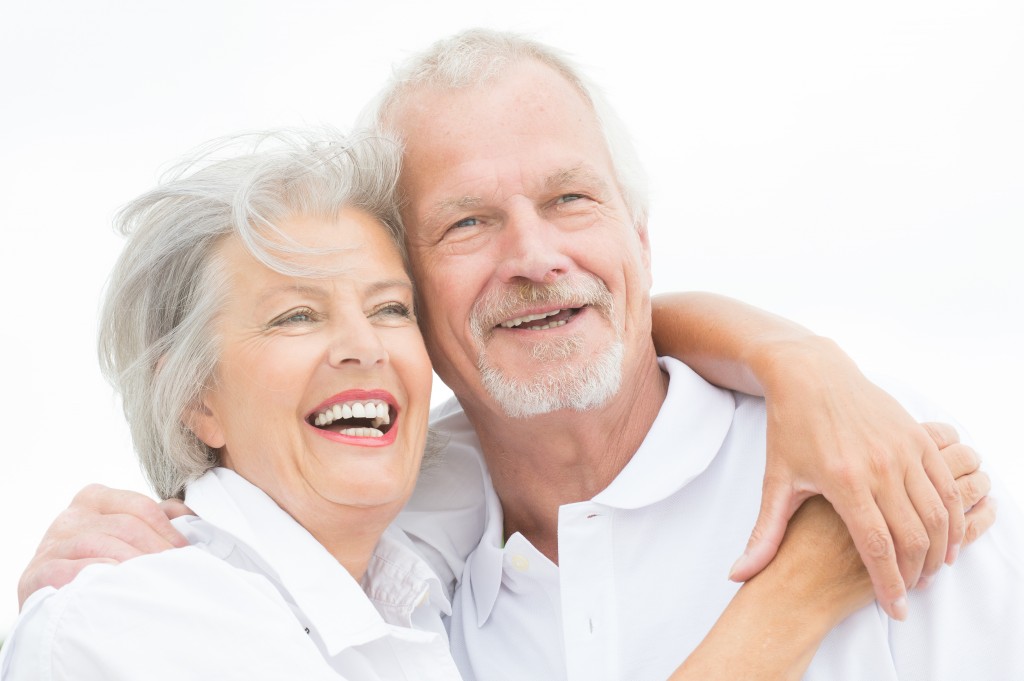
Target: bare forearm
758	636
830	431
774	624
729	343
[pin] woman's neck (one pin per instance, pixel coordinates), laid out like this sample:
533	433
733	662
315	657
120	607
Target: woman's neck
350	534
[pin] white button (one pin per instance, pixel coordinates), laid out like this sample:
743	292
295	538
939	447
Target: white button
520	563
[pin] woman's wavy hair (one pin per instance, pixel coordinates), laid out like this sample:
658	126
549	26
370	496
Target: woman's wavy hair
157	339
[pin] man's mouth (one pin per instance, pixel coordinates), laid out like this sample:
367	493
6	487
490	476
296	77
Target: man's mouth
355	418
542	320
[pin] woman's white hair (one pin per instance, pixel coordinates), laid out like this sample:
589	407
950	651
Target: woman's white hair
157	343
474	57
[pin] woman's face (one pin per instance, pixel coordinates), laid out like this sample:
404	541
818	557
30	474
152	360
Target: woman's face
322	389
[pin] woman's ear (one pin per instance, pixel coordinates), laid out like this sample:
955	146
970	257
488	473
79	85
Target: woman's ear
203	422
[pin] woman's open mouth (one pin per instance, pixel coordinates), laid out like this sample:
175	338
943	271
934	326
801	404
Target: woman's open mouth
355	418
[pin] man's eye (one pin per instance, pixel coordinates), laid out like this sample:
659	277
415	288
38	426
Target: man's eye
566	198
466	222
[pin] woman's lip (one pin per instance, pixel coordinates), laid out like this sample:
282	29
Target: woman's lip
383	441
356	396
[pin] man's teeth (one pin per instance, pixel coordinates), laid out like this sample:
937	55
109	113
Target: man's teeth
375	410
518	321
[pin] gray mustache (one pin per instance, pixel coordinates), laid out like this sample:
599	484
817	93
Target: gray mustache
507	302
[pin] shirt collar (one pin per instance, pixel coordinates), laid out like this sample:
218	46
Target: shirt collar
686	435
321	587
484	565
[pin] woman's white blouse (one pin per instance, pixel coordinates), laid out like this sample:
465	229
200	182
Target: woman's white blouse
254	597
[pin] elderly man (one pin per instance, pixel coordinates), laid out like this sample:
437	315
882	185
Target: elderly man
619	484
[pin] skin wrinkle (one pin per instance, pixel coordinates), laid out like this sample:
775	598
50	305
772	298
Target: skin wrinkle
576	177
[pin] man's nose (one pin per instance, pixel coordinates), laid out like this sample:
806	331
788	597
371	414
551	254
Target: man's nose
531	248
356	342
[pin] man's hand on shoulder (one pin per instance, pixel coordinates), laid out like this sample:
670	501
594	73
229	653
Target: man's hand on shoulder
101	525
848	440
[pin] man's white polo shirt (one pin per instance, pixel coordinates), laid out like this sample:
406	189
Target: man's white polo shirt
643	565
255	597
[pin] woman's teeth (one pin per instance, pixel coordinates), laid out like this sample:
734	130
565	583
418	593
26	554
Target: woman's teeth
377	411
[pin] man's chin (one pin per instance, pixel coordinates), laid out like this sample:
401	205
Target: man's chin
554	384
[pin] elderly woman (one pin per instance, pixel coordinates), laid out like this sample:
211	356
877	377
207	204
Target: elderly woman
260	327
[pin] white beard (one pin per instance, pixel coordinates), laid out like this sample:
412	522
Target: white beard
575	385
564	379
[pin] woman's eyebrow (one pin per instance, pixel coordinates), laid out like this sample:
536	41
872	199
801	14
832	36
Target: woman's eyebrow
302	289
388	284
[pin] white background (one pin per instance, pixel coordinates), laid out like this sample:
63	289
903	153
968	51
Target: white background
854	166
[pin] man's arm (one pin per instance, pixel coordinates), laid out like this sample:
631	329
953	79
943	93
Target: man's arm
774	624
830	432
101	525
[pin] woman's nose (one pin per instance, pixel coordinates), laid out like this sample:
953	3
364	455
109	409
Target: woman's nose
356	343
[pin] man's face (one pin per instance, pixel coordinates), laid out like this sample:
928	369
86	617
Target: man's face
534	281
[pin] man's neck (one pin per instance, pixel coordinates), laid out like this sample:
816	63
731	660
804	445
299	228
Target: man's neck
542	462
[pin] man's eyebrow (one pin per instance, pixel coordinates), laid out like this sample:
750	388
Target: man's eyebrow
575	175
561	178
445	207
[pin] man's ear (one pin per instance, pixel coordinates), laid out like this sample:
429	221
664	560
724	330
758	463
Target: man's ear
205	424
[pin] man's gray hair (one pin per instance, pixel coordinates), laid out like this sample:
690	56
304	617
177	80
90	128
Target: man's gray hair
476	56
157	340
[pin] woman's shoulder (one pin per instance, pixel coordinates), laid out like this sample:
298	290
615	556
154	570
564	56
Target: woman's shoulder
140	617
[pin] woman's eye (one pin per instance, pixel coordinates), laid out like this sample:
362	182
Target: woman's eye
300	316
394	310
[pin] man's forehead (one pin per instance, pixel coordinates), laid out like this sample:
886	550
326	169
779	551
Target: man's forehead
528	127
423	105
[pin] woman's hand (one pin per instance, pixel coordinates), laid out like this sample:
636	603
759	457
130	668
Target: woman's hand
774	624
830	432
848	440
